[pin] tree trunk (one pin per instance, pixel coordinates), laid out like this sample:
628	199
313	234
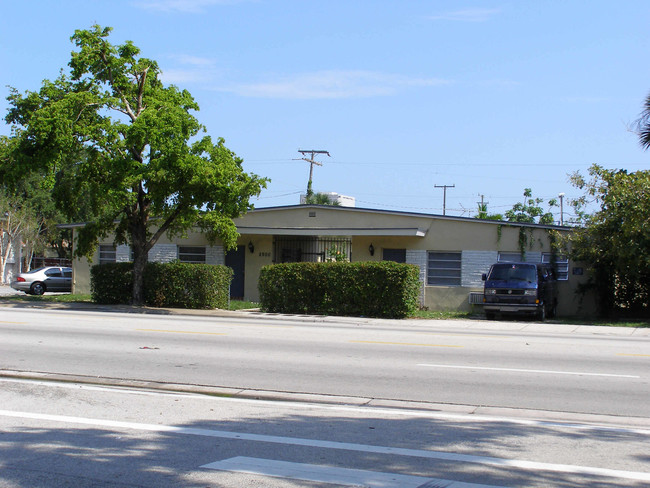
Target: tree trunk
28	260
140	251
139	262
6	250
3	266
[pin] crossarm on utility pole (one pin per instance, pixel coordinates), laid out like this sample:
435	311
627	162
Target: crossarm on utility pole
444	197
311	162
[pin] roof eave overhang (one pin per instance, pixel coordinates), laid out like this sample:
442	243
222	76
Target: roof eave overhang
331	231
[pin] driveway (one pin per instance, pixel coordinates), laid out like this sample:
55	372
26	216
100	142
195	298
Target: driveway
6	290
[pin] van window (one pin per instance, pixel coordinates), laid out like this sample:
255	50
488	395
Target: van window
514	272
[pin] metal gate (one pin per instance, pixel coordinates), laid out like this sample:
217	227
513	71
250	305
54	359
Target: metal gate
296	249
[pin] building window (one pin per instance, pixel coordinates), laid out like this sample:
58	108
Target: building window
191	254
444	268
107	254
510	257
397	255
561	265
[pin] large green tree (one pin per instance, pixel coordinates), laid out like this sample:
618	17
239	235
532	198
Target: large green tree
112	138
615	239
30	195
25	216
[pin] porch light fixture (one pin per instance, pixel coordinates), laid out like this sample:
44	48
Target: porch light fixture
371	250
251	248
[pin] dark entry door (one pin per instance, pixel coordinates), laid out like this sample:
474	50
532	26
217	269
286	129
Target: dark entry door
236	259
397	255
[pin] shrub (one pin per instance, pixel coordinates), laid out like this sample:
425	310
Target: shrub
373	289
175	284
111	283
185	285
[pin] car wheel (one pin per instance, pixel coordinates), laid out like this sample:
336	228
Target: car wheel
37	288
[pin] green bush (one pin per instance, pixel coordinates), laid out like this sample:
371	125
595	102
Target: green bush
176	284
185	285
372	289
111	283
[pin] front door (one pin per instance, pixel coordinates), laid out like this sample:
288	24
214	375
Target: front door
236	259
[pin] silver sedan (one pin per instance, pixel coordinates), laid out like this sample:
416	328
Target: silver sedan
49	278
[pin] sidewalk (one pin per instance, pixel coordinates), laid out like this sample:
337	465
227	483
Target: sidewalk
477	324
6	290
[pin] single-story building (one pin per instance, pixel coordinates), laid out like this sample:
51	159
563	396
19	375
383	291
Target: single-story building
11	250
451	252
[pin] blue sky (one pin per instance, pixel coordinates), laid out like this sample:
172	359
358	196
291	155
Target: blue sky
489	96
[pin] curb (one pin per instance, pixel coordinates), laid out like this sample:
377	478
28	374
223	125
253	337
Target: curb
449	410
478	324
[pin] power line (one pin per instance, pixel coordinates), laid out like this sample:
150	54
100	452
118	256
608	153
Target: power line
486	164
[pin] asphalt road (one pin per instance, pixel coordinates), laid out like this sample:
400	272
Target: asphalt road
69	435
475	363
318	402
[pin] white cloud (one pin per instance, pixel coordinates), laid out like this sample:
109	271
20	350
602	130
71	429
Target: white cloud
332	84
499	83
190	69
467	15
193	60
182	76
184	6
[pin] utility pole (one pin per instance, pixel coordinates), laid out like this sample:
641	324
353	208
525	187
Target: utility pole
561	195
482	207
311	162
444	197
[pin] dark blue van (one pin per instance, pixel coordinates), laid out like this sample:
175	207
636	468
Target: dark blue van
520	289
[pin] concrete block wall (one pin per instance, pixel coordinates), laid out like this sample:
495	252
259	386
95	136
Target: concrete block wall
474	264
419	258
123	253
215	255
163	253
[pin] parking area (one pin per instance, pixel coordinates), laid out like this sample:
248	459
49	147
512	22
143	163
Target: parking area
6	290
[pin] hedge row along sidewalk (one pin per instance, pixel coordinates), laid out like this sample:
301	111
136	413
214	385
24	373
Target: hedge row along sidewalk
368	289
173	285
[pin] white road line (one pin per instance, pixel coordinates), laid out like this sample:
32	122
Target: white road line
540	371
104	388
346	446
401	412
337	476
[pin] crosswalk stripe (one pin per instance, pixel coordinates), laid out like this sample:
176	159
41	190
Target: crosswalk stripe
329	474
347	446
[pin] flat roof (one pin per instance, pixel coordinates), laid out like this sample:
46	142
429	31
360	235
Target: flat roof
397	231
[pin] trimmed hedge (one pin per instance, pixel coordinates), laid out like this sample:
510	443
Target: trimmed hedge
185	285
372	289
176	284
111	283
